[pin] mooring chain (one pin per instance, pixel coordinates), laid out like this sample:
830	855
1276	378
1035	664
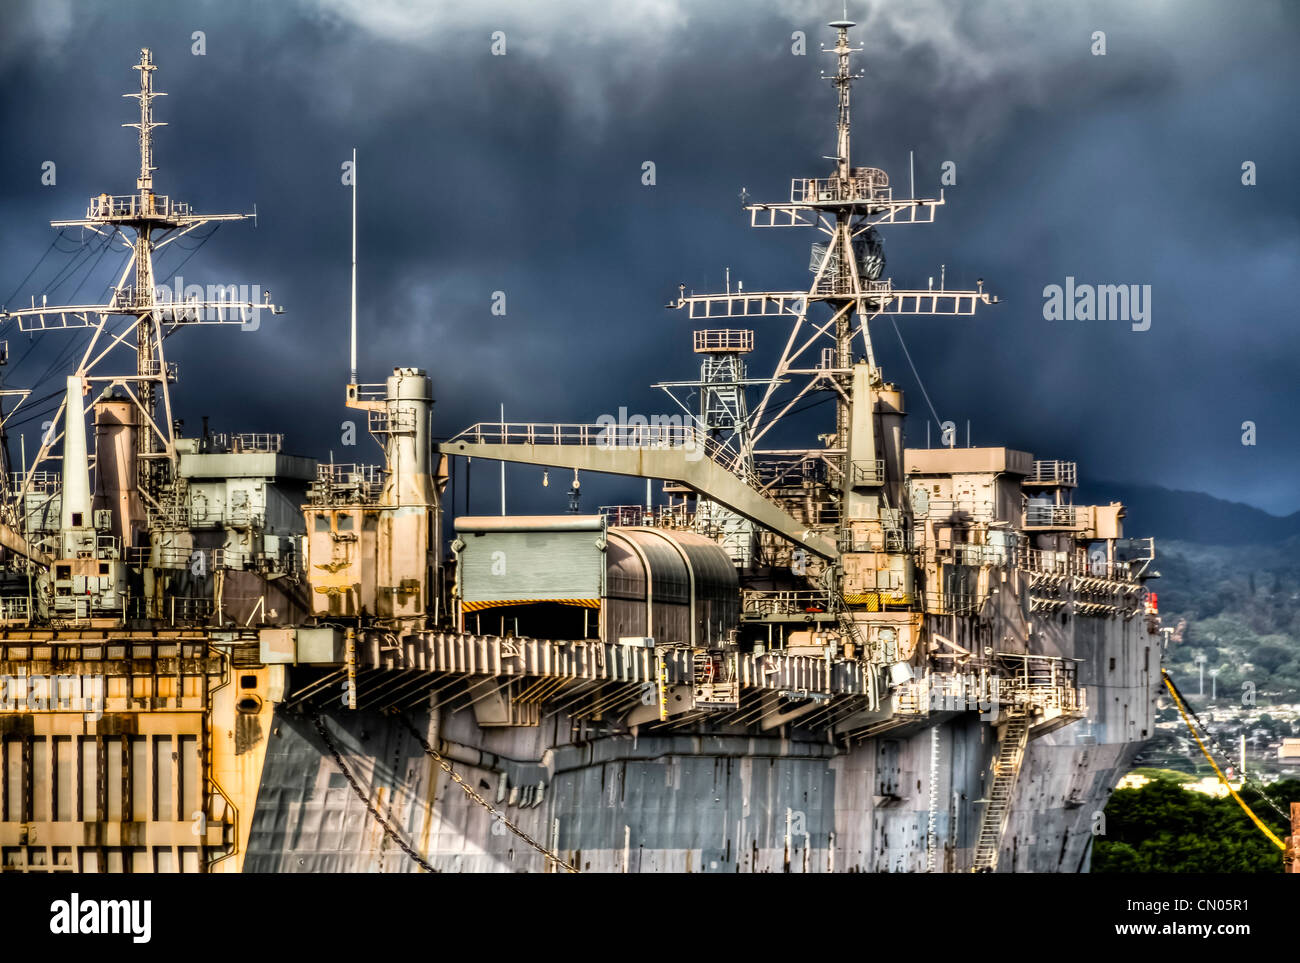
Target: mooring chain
473	794
383	823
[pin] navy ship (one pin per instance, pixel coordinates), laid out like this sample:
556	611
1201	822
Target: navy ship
822	650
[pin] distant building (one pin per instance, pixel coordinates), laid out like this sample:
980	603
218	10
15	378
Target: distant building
1211	786
1289	751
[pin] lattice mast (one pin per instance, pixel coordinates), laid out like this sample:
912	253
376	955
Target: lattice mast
148	344
819	354
842	80
143	222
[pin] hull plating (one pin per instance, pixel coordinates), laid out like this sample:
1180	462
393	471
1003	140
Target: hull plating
909	800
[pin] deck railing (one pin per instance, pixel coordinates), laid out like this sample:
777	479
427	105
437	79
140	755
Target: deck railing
864	183
709	340
1053	472
649	437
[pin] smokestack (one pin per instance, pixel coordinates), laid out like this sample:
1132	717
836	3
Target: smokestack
76	469
408	404
116	486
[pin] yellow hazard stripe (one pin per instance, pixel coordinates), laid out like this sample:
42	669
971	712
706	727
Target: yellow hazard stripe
862	598
501	603
873	600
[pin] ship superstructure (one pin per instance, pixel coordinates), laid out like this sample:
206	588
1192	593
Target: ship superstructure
841	654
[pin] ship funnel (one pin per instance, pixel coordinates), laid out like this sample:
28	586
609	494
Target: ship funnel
76	526
116	485
408	404
76	470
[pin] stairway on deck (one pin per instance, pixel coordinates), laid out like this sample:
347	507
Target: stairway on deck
1006	770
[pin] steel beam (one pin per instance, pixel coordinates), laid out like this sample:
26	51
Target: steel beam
689	467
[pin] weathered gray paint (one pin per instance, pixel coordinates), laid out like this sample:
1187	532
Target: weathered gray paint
726	800
708	803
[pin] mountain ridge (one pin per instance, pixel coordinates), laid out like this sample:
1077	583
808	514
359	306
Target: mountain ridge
1186	516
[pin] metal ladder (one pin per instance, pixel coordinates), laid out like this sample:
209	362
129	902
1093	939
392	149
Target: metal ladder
1006	769
704	667
932	822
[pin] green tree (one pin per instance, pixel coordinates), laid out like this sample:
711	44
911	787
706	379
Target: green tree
1163	828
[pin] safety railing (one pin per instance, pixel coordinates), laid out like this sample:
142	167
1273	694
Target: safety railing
869	471
649	437
348	473
160	556
839	281
674	516
1053	473
984	691
759	604
15	608
626	515
888	539
1044	681
153	368
723	339
226	558
344	483
374	391
173	608
596	436
864	183
794	471
975	691
659	516
244	441
898	540
386	422
965	553
952	603
1050	516
106	206
941	508
256	441
170	517
41	481
1073	564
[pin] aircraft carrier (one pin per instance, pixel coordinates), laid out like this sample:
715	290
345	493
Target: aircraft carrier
813	649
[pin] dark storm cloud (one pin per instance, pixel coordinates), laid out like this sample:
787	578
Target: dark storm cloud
522	174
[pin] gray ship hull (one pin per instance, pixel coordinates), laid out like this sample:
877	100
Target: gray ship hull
908	800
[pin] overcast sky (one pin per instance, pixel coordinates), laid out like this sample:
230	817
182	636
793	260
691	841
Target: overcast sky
522	173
